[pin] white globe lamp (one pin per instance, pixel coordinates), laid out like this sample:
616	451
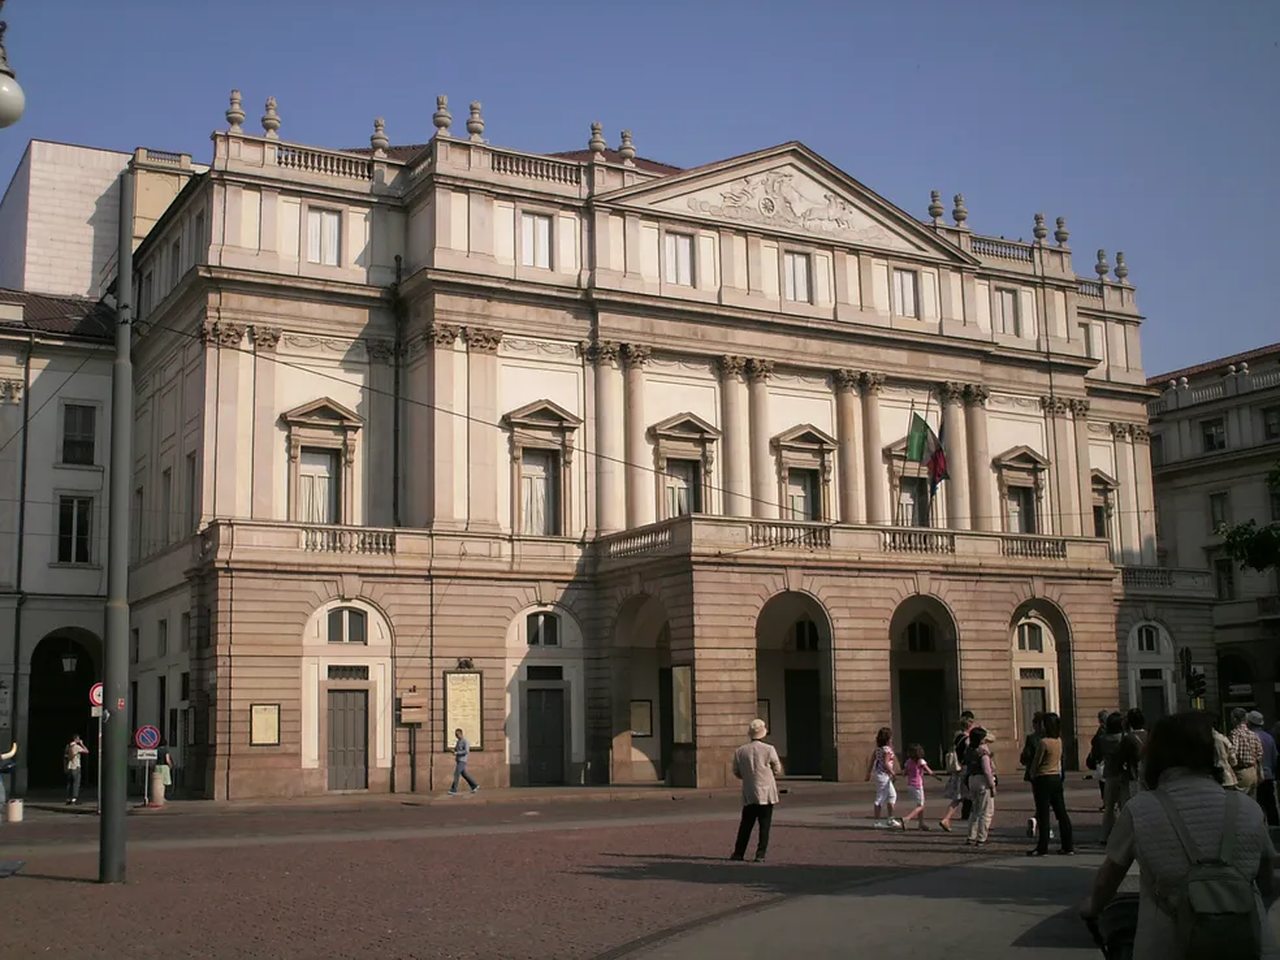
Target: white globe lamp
12	100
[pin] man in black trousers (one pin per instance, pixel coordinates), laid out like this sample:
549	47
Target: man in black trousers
756	764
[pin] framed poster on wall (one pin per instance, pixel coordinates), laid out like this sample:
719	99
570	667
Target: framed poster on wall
463	707
682	703
642	718
264	725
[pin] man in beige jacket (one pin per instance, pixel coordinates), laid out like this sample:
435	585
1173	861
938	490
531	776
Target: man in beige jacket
756	764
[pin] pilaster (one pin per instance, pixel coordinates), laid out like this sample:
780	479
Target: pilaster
849	447
640	501
737	436
611	454
981	480
873	462
956	446
764	489
482	448
1062	455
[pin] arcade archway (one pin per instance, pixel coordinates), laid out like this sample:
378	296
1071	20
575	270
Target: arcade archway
924	670
64	665
794	683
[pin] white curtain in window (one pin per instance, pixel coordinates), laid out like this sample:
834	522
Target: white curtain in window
313	236
904	293
796	277
537	494
317	488
332	228
679	256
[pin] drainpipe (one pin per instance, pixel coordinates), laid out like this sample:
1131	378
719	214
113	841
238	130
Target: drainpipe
397	311
14	703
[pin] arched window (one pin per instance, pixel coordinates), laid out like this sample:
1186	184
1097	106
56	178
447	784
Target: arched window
1030	637
348	625
920	637
1148	638
542	630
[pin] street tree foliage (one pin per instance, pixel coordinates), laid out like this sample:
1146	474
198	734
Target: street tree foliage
1252	545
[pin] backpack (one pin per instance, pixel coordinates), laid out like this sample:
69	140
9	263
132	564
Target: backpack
1214	908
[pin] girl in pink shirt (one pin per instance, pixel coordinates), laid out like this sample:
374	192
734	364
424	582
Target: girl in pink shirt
917	768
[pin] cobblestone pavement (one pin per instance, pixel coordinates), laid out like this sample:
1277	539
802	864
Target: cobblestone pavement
520	879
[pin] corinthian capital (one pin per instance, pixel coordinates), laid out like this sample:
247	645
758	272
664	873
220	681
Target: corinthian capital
976	394
731	366
1122	431
759	370
846	379
482	339
1055	406
950	391
599	351
444	334
636	354
871	382
265	338
1079	407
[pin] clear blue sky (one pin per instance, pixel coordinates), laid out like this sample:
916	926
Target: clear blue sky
1153	126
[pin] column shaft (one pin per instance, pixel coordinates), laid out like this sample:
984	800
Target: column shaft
444	463
640	484
610	450
482	450
764	477
737	437
1066	494
873	459
1145	491
955	443
1127	505
981	482
1084	468
849	445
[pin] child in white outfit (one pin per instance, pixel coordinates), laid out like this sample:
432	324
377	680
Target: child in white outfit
883	765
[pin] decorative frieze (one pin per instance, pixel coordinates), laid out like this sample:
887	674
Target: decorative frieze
482	339
10	391
265	338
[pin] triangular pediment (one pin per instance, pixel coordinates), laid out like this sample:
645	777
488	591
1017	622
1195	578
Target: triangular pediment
323	411
790	189
1100	478
1021	456
685	426
805	435
542	413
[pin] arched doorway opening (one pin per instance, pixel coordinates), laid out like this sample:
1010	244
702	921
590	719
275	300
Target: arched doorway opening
644	712
1235	684
64	665
1151	671
794	683
1043	679
925	676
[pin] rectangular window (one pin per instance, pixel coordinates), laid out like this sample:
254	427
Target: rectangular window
347	625
135	525
1022	509
1086	338
1275	506
683	482
1101	528
535	240
913	502
166	505
175	263
1148	639
162	638
1219	510
906	302
75	529
318	486
1271	423
1157	449
198	236
135	645
184	636
133	704
542	630
539	494
806	636
185	687
1224	576
79	433
802	495
796	286
679	250
162	700
1006	316
1214	434
324	236
544	673
145	295
193	495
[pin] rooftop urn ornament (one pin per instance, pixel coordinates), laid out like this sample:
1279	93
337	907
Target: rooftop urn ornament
379	140
935	205
959	213
271	120
1244	368
1062	234
1039	231
1122	268
235	113
596	144
475	122
442	118
627	149
12	100
1101	267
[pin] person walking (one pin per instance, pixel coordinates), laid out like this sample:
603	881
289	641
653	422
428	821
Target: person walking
461	752
955	790
1026	759
1116	781
1094	763
883	766
75	749
917	768
756	764
164	767
1224	760
1248	750
961	747
1133	748
1046	787
981	771
1267	780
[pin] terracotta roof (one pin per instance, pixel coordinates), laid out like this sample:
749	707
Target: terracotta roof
1220	365
63	316
584	156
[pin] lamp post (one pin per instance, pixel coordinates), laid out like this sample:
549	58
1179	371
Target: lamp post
12	99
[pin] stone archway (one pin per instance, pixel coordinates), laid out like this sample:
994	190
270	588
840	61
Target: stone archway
643	730
794	686
924	676
1043	672
58	706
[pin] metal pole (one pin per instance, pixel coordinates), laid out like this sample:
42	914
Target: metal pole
115	749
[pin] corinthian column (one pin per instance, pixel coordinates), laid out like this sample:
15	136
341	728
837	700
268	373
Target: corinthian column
737	437
1145	493
1127	505
848	445
1084	467
640	486
446	450
764	478
873	460
611	513
956	446
981	480
1062	454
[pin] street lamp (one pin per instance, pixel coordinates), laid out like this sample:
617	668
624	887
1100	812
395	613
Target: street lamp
12	99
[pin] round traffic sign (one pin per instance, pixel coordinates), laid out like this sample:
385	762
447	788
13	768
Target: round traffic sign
146	737
95	695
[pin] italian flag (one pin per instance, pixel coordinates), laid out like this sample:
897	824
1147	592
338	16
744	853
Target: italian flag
925	446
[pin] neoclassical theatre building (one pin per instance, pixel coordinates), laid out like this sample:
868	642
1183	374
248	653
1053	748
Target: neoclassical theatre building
598	458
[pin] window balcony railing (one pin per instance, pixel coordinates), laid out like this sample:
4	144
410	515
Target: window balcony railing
330	539
1167	581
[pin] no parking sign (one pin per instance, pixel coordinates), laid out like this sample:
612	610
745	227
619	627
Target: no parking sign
146	737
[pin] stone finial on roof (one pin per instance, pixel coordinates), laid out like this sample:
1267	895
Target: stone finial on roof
1062	234
596	144
475	122
235	113
1122	268
271	120
379	140
1101	267
1244	368
442	118
1039	231
935	205
1231	369
627	149
959	213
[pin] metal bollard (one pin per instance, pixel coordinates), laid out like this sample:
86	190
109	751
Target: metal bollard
13	811
157	789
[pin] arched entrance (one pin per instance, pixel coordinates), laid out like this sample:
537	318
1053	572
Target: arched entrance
1151	671
1043	680
925	676
644	714
64	665
794	683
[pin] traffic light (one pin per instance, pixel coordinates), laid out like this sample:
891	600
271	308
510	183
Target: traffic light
1198	685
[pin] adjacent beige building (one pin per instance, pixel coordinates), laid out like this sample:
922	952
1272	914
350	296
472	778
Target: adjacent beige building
1215	437
598	459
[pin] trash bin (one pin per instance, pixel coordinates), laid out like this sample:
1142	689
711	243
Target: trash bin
156	792
13	811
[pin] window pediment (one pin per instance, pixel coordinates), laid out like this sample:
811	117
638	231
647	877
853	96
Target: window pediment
1102	481
805	437
1020	457
542	415
684	426
324	413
